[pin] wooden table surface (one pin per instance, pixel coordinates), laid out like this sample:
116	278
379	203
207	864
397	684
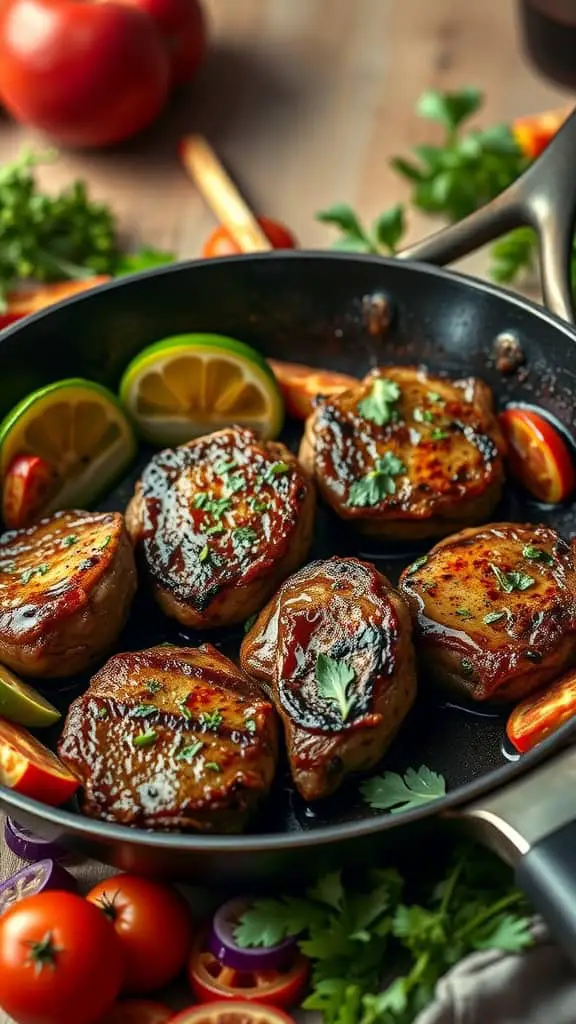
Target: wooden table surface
306	100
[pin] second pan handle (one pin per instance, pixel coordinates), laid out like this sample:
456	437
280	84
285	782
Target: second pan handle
544	198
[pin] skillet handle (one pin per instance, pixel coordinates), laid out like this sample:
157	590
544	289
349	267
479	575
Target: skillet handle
544	198
531	823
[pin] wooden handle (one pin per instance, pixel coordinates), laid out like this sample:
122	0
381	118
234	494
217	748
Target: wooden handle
221	194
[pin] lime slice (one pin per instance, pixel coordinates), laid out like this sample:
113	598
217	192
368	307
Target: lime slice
80	429
193	384
20	702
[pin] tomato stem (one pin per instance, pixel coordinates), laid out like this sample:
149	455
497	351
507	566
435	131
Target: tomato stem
43	953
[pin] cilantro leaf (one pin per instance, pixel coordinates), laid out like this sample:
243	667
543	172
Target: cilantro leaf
376	485
509	581
509	933
391	792
377	406
537	554
449	108
334	679
389	228
268	921
329	890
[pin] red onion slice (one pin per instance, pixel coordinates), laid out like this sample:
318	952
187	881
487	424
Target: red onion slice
35	878
223	946
28	846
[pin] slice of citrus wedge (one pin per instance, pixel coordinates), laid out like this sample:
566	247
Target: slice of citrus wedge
193	384
80	429
21	703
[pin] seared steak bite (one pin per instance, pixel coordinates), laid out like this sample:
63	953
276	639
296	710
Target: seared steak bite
219	523
334	649
66	585
494	610
172	738
407	454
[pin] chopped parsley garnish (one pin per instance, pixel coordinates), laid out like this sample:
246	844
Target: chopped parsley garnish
215	507
68	541
377	406
211	719
423	415
439	435
221	468
274	470
154	685
467	666
145	739
377	484
537	620
102	713
189	753
416	564
38	570
435	397
334	679
250	622
536	554
213	530
183	705
257	505
464	613
105	542
213	766
496	616
250	725
204	553
509	581
143	711
233	484
243	537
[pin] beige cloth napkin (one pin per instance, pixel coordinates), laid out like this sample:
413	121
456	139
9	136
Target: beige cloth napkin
537	987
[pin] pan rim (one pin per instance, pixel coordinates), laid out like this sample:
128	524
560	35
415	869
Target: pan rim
241	844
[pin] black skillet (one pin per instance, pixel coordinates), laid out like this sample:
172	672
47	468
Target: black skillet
350	313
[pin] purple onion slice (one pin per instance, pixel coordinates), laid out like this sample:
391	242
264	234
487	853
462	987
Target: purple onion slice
28	846
223	946
34	878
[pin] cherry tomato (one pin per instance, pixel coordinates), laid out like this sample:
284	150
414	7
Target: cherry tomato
301	384
211	980
535	132
88	74
138	1011
28	485
539	716
538	455
60	961
232	1012
221	243
30	768
182	28
154	925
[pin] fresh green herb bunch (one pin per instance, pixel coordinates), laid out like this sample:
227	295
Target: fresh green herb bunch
354	933
46	237
465	170
54	237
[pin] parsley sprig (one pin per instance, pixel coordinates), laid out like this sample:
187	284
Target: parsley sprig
378	483
353	928
334	680
451	179
378	406
394	793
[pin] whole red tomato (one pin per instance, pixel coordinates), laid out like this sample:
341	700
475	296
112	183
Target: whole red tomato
59	961
88	74
153	923
182	28
221	243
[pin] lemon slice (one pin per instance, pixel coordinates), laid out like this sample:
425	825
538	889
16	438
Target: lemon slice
80	429
192	384
20	702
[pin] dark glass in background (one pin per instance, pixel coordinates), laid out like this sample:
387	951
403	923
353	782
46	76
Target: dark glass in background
548	30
